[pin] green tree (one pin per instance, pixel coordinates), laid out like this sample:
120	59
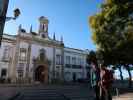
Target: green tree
112	30
91	57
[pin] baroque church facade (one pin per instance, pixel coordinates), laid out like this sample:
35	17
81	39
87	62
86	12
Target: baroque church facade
32	57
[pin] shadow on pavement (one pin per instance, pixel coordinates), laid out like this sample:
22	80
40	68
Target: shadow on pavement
121	87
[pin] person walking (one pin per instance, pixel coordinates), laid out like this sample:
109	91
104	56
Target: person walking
95	78
106	77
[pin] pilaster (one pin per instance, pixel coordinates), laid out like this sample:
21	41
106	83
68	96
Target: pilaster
54	63
28	62
62	63
15	60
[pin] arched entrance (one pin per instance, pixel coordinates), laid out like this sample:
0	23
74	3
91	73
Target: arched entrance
41	67
40	74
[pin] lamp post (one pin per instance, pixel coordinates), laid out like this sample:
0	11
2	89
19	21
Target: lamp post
3	18
100	62
99	59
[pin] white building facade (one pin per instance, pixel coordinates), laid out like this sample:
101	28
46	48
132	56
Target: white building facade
32	57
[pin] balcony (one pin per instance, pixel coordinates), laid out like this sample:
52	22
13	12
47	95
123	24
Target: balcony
67	66
76	66
5	59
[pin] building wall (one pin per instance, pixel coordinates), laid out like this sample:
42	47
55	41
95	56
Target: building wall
35	49
59	67
6	57
22	50
22	63
76	65
58	63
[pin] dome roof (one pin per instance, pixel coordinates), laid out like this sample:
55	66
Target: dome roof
43	19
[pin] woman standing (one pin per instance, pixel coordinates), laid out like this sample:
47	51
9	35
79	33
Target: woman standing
95	78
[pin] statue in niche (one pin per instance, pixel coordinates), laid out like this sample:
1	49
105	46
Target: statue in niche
42	55
41	59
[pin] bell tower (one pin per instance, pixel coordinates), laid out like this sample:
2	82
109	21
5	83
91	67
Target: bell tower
43	27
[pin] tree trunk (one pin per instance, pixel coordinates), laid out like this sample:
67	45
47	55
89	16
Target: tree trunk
121	76
130	76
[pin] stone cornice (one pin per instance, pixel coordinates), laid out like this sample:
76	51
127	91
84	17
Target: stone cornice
8	40
74	52
27	37
47	41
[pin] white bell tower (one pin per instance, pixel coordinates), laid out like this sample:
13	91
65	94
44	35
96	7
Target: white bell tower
43	27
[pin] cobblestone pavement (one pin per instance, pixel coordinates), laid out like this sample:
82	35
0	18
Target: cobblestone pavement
53	92
56	93
73	92
126	96
6	93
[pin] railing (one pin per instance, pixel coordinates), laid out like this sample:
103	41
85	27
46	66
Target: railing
76	66
67	66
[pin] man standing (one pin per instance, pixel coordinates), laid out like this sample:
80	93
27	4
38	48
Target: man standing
95	78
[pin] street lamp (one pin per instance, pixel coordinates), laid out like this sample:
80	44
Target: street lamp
99	58
16	15
3	18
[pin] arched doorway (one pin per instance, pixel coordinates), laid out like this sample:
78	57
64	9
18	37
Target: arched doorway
40	74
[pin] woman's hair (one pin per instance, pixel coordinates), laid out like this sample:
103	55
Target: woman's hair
103	67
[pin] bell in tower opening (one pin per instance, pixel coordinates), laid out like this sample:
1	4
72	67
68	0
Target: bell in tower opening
43	28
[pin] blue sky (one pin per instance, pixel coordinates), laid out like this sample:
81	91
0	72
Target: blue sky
68	18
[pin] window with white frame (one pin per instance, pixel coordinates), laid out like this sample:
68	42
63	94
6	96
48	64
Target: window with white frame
82	61
6	53
20	69
79	61
67	59
22	54
58	59
74	60
21	66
